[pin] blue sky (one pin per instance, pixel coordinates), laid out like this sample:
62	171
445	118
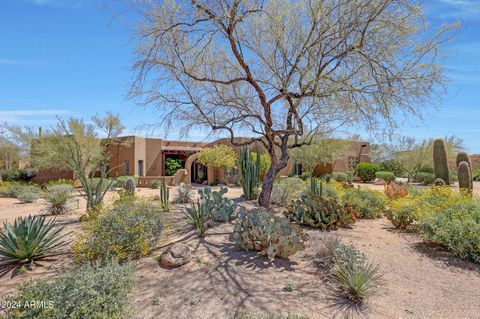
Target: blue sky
72	58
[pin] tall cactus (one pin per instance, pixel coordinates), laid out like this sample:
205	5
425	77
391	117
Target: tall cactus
314	189
164	196
249	173
464	157
440	160
465	176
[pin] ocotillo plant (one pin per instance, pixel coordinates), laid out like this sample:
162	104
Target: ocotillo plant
464	157
440	160
164	196
314	189
465	176
249	173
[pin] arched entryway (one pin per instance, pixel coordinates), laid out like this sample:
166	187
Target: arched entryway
199	173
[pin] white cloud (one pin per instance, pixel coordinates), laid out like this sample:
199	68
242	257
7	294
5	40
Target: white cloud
456	9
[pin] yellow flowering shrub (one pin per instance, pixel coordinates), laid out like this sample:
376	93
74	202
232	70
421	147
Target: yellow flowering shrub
129	230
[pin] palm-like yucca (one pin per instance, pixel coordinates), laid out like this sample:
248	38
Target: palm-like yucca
58	201
358	280
28	239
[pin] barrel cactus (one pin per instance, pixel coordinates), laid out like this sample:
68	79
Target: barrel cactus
440	160
465	176
464	157
130	185
249	173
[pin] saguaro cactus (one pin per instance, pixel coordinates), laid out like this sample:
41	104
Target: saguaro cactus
440	160
249	173
164	195
465	176
464	157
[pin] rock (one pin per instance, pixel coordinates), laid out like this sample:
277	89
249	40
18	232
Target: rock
176	255
205	183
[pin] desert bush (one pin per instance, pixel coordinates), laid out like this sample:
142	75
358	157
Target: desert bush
128	230
13	189
326	248
272	236
370	203
156	183
366	171
457	227
305	175
394	166
387	177
60	181
29	239
15	175
58	199
120	181
287	189
184	194
394	191
94	292
321	212
425	178
27	197
340	177
403	212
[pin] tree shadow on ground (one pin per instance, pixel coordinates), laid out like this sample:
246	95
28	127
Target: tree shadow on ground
441	254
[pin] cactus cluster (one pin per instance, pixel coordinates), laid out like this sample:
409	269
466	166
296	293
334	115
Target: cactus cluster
321	212
315	190
164	196
272	236
222	208
249	173
465	174
130	185
440	160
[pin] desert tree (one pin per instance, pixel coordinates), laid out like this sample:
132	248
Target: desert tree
283	70
75	145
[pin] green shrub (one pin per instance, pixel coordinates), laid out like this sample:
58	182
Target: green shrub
270	235
457	227
94	292
60	181
13	189
321	212
156	183
58	199
305	175
369	203
129	230
392	166
366	171
184	194
172	165
425	178
287	189
388	177
15	175
27	197
29	239
120	182
340	177
403	212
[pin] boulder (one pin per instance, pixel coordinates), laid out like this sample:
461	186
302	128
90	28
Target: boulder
176	255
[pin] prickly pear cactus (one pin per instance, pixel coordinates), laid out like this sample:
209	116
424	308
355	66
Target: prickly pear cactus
320	212
130	185
222	209
270	235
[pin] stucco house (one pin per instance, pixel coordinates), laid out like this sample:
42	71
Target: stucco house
145	157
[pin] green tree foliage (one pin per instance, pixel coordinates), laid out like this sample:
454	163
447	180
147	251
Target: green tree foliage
319	151
172	165
218	156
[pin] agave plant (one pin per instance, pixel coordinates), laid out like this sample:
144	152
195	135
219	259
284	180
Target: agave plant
358	280
28	239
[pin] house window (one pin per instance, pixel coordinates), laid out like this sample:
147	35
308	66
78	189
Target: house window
140	168
127	167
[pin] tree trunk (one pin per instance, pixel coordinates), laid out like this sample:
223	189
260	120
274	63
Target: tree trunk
275	168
